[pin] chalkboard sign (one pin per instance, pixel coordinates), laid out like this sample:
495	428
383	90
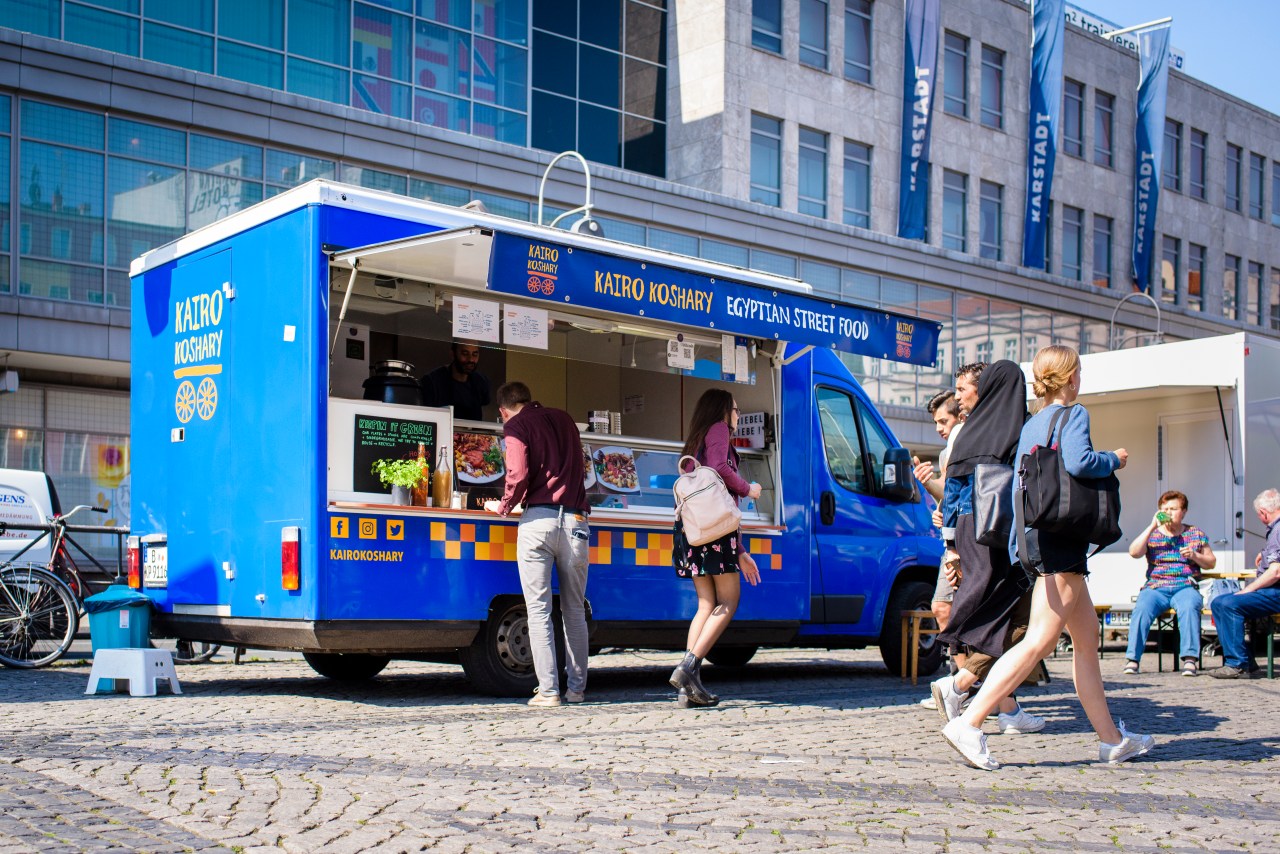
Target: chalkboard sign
377	437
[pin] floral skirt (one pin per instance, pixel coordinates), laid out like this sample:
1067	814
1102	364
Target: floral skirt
714	558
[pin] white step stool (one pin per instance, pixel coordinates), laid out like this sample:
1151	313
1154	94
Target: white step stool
142	667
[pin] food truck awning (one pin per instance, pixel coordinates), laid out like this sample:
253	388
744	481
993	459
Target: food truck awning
569	272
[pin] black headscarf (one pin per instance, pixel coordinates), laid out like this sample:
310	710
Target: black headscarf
991	431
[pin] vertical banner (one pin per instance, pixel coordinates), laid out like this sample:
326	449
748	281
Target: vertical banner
919	63
1047	25
1153	85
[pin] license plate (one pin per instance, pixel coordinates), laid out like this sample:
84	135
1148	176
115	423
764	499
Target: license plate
155	566
1118	618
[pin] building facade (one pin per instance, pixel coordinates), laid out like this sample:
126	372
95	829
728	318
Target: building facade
762	133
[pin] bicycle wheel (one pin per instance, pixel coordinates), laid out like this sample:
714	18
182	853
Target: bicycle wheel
194	652
39	617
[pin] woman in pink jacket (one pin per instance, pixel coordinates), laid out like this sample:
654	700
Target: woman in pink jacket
713	566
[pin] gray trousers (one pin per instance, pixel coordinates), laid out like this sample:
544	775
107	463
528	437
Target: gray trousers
548	538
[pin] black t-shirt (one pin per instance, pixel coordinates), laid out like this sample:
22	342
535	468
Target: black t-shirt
467	398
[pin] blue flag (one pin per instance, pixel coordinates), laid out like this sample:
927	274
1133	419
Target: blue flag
1153	86
920	64
1047	25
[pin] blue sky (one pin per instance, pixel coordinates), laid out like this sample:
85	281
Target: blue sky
1229	44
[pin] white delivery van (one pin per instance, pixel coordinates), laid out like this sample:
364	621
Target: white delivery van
26	498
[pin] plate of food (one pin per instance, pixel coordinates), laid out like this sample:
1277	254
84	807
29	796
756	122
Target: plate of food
616	468
477	457
588	469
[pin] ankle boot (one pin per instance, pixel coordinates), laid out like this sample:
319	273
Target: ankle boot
697	672
685	676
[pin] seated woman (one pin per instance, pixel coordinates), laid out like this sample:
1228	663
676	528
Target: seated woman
1175	554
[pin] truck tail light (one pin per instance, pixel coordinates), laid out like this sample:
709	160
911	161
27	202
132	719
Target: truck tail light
289	562
135	562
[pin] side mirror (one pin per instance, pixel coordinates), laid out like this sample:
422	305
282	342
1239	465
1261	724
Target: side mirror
897	482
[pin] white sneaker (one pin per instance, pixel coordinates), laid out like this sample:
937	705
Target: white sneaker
1131	744
928	703
1020	722
946	698
971	743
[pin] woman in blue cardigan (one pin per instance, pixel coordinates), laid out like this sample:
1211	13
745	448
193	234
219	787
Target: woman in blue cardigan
1060	598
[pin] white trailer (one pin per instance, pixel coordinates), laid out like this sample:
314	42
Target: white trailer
1201	417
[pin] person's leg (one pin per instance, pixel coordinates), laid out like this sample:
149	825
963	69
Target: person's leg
535	558
1187	603
573	549
1082	625
1047	619
941	609
728	589
706	592
1151	602
1228	617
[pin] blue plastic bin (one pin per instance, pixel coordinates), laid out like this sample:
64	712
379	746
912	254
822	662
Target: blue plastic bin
119	618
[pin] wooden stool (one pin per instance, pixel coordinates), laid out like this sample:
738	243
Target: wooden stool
142	667
912	629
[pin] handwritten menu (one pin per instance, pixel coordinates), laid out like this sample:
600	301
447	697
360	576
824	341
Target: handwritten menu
525	327
475	319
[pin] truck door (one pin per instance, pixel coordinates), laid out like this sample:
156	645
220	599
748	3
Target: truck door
1193	460
855	529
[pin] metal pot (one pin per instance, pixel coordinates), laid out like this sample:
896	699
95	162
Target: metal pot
393	382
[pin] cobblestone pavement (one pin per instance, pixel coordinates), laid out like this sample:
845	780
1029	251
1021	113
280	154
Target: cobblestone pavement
810	750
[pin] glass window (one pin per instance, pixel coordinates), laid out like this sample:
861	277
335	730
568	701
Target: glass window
1273	300
600	76
1073	117
840	442
42	17
823	277
766	25
857	40
602	26
1104	109
147	142
1257	179
723	253
375	179
1072	242
434	191
772	262
990	220
813	33
502	75
1199	148
1171	169
671	241
504	206
1234	178
453	12
241	62
381	96
877	442
992	87
52	280
954	200
503	19
177	47
1195	276
1170	253
148	208
644	145
502	125
288	169
442	111
1048	237
1275	192
600	134
226	156
442	59
61	124
813	173
553	122
557	16
313	80
192	14
321	30
857	184
101	29
766	160
1102	230
955	75
1230	286
1253	293
259	22
210	197
380	43
61	188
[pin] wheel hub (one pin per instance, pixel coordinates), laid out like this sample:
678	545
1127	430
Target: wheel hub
513	647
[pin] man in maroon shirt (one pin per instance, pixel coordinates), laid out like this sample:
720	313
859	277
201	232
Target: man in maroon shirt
545	474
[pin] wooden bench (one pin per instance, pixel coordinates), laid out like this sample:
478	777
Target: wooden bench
912	629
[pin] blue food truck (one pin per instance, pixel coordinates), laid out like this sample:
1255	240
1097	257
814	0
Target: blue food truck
276	359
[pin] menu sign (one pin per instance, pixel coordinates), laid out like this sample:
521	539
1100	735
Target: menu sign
377	437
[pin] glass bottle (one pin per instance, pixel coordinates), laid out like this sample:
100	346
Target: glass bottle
442	481
420	492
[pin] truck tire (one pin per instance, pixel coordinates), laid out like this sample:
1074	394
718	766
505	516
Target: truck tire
908	596
731	656
346	666
499	661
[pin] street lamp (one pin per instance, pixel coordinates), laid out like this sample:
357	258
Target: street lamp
586	225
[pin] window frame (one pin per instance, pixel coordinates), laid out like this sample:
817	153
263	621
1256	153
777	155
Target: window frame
817	207
992	115
760	134
1197	256
859	11
990	201
817	56
863	215
1172	157
1073	223
1232	270
957	242
1104	145
955	47
1257	186
1233	186
1170	292
1104	227
1073	106
767	40
1199	142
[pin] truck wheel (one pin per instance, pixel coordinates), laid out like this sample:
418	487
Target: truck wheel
346	666
499	661
731	656
908	596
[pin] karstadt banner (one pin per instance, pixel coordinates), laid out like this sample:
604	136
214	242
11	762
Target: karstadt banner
919	76
1045	102
1153	87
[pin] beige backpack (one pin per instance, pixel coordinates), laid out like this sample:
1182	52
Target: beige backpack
704	504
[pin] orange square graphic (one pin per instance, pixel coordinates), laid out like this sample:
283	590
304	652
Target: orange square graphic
775	561
604	539
509	551
628	539
468	533
452	550
482	551
437	531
